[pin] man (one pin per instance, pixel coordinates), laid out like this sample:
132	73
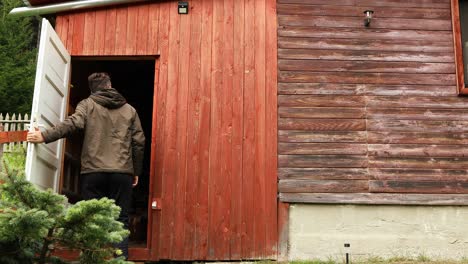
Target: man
113	145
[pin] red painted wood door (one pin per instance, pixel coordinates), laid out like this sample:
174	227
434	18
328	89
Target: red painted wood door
214	138
216	131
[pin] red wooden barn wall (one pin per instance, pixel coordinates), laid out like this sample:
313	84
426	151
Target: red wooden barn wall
215	118
370	110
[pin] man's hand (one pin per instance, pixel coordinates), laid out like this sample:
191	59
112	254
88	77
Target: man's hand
35	137
135	181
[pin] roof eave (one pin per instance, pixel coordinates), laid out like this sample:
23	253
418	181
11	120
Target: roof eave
67	6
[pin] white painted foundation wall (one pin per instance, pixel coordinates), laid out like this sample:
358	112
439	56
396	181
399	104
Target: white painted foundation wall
320	231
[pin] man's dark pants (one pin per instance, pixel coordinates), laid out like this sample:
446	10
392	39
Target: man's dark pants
115	186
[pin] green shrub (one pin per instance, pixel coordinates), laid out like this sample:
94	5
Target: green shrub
33	223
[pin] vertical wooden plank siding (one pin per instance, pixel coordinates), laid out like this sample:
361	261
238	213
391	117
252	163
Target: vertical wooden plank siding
78	33
155	185
202	213
170	193
162	48
237	130
226	196
193	131
215	177
248	151
142	31
71	22
368	109
121	31
100	32
61	28
132	29
215	118
88	34
182	131
260	132
271	129
110	32
153	28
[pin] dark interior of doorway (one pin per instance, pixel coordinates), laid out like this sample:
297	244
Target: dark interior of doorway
134	79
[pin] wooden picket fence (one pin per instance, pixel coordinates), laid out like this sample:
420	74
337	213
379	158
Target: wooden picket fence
14	122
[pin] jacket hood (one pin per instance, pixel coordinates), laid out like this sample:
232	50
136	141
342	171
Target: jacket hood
108	98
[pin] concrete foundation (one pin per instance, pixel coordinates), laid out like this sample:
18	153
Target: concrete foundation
320	231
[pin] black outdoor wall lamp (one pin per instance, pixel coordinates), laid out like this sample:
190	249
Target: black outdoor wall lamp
182	8
368	17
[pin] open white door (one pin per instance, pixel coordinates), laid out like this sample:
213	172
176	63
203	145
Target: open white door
44	161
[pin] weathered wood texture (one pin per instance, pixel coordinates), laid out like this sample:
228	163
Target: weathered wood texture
12	136
214	129
370	109
375	198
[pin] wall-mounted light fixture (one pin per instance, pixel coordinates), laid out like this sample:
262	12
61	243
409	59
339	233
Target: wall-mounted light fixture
183	7
368	17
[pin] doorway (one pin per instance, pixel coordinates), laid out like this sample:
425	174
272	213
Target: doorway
134	79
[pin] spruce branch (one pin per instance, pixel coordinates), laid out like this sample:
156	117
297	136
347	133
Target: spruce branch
33	222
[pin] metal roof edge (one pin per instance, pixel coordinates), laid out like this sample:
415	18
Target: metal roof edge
67	6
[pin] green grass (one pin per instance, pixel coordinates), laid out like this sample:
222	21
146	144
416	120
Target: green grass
14	160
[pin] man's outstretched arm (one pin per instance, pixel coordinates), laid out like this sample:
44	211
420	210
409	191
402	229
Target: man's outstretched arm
67	127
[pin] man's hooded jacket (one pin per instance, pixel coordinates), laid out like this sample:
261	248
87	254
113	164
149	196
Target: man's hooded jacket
113	137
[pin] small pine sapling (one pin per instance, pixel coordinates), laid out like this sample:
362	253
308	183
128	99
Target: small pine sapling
34	223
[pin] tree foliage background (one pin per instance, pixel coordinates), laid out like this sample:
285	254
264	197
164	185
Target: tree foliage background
18	52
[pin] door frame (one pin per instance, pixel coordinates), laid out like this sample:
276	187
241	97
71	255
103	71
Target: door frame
152	236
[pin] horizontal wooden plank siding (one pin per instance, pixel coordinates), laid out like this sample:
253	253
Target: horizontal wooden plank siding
373	78
381	90
364	44
323	173
371	3
414	186
375	198
327	186
334	10
214	123
320	112
322	148
353	22
369	110
327	136
424	137
369	34
367	55
418	174
322	124
365	66
322	161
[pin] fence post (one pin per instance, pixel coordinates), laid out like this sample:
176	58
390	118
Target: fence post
13	125
6	128
1	150
1	145
25	121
